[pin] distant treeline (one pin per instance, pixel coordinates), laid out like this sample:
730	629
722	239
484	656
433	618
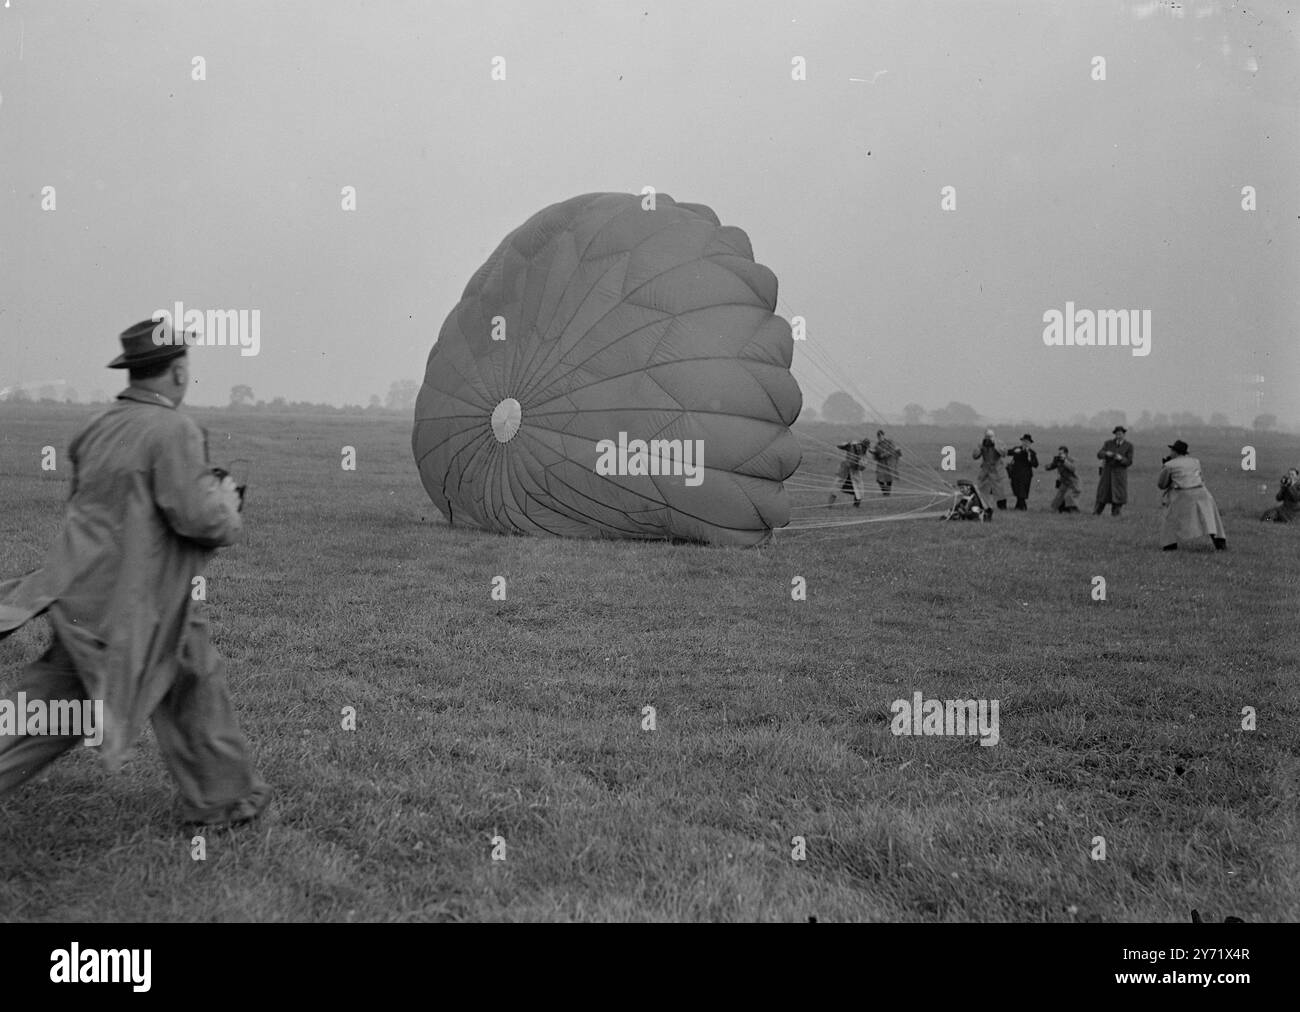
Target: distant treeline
841	408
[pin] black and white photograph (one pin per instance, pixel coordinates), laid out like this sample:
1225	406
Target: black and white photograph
594	461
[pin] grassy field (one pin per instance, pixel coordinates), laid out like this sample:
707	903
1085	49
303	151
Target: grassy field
523	718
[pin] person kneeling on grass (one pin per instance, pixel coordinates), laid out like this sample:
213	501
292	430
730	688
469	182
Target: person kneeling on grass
1288	494
145	513
1192	511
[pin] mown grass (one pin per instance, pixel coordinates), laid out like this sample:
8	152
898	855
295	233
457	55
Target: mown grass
523	718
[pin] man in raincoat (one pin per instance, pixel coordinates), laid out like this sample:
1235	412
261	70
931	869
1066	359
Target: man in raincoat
1116	456
990	483
144	515
1192	511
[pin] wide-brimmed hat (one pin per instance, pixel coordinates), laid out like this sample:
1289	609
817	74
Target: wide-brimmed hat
1119	428
148	343
1178	446
1026	438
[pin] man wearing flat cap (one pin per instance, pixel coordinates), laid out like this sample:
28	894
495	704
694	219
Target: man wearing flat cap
1192	512
144	515
1116	456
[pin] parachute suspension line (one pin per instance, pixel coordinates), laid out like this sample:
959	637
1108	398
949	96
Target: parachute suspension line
838	378
918	491
910	476
832	524
925	477
923	510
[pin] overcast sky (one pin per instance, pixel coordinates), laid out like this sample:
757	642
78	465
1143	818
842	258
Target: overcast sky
226	193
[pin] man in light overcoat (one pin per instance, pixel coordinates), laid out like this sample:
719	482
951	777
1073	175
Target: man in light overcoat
144	515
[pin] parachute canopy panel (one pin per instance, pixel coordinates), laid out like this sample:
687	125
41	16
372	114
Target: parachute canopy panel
613	371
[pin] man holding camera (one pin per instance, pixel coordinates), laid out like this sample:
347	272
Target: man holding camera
144	515
989	481
1192	511
1067	482
1116	456
1288	494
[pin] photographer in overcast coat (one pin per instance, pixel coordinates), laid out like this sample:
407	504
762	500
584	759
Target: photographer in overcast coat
144	515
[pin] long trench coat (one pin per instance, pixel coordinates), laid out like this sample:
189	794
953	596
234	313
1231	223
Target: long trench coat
144	514
1020	469
1113	485
990	481
1192	511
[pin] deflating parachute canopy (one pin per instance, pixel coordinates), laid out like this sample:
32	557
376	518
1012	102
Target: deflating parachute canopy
618	372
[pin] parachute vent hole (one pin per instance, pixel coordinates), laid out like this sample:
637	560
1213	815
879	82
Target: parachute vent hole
506	417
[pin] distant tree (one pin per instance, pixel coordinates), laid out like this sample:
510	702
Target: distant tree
1160	421
48	392
1185	420
70	395
97	396
955	414
913	414
374	404
1107	420
401	395
1219	420
1264	422
241	394
279	404
843	409
808	413
1079	420
1144	420
19	395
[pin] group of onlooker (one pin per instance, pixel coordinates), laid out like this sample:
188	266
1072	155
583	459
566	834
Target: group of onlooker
1021	461
1116	456
1190	508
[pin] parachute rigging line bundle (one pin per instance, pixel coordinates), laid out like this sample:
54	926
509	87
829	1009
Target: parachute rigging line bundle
594	325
